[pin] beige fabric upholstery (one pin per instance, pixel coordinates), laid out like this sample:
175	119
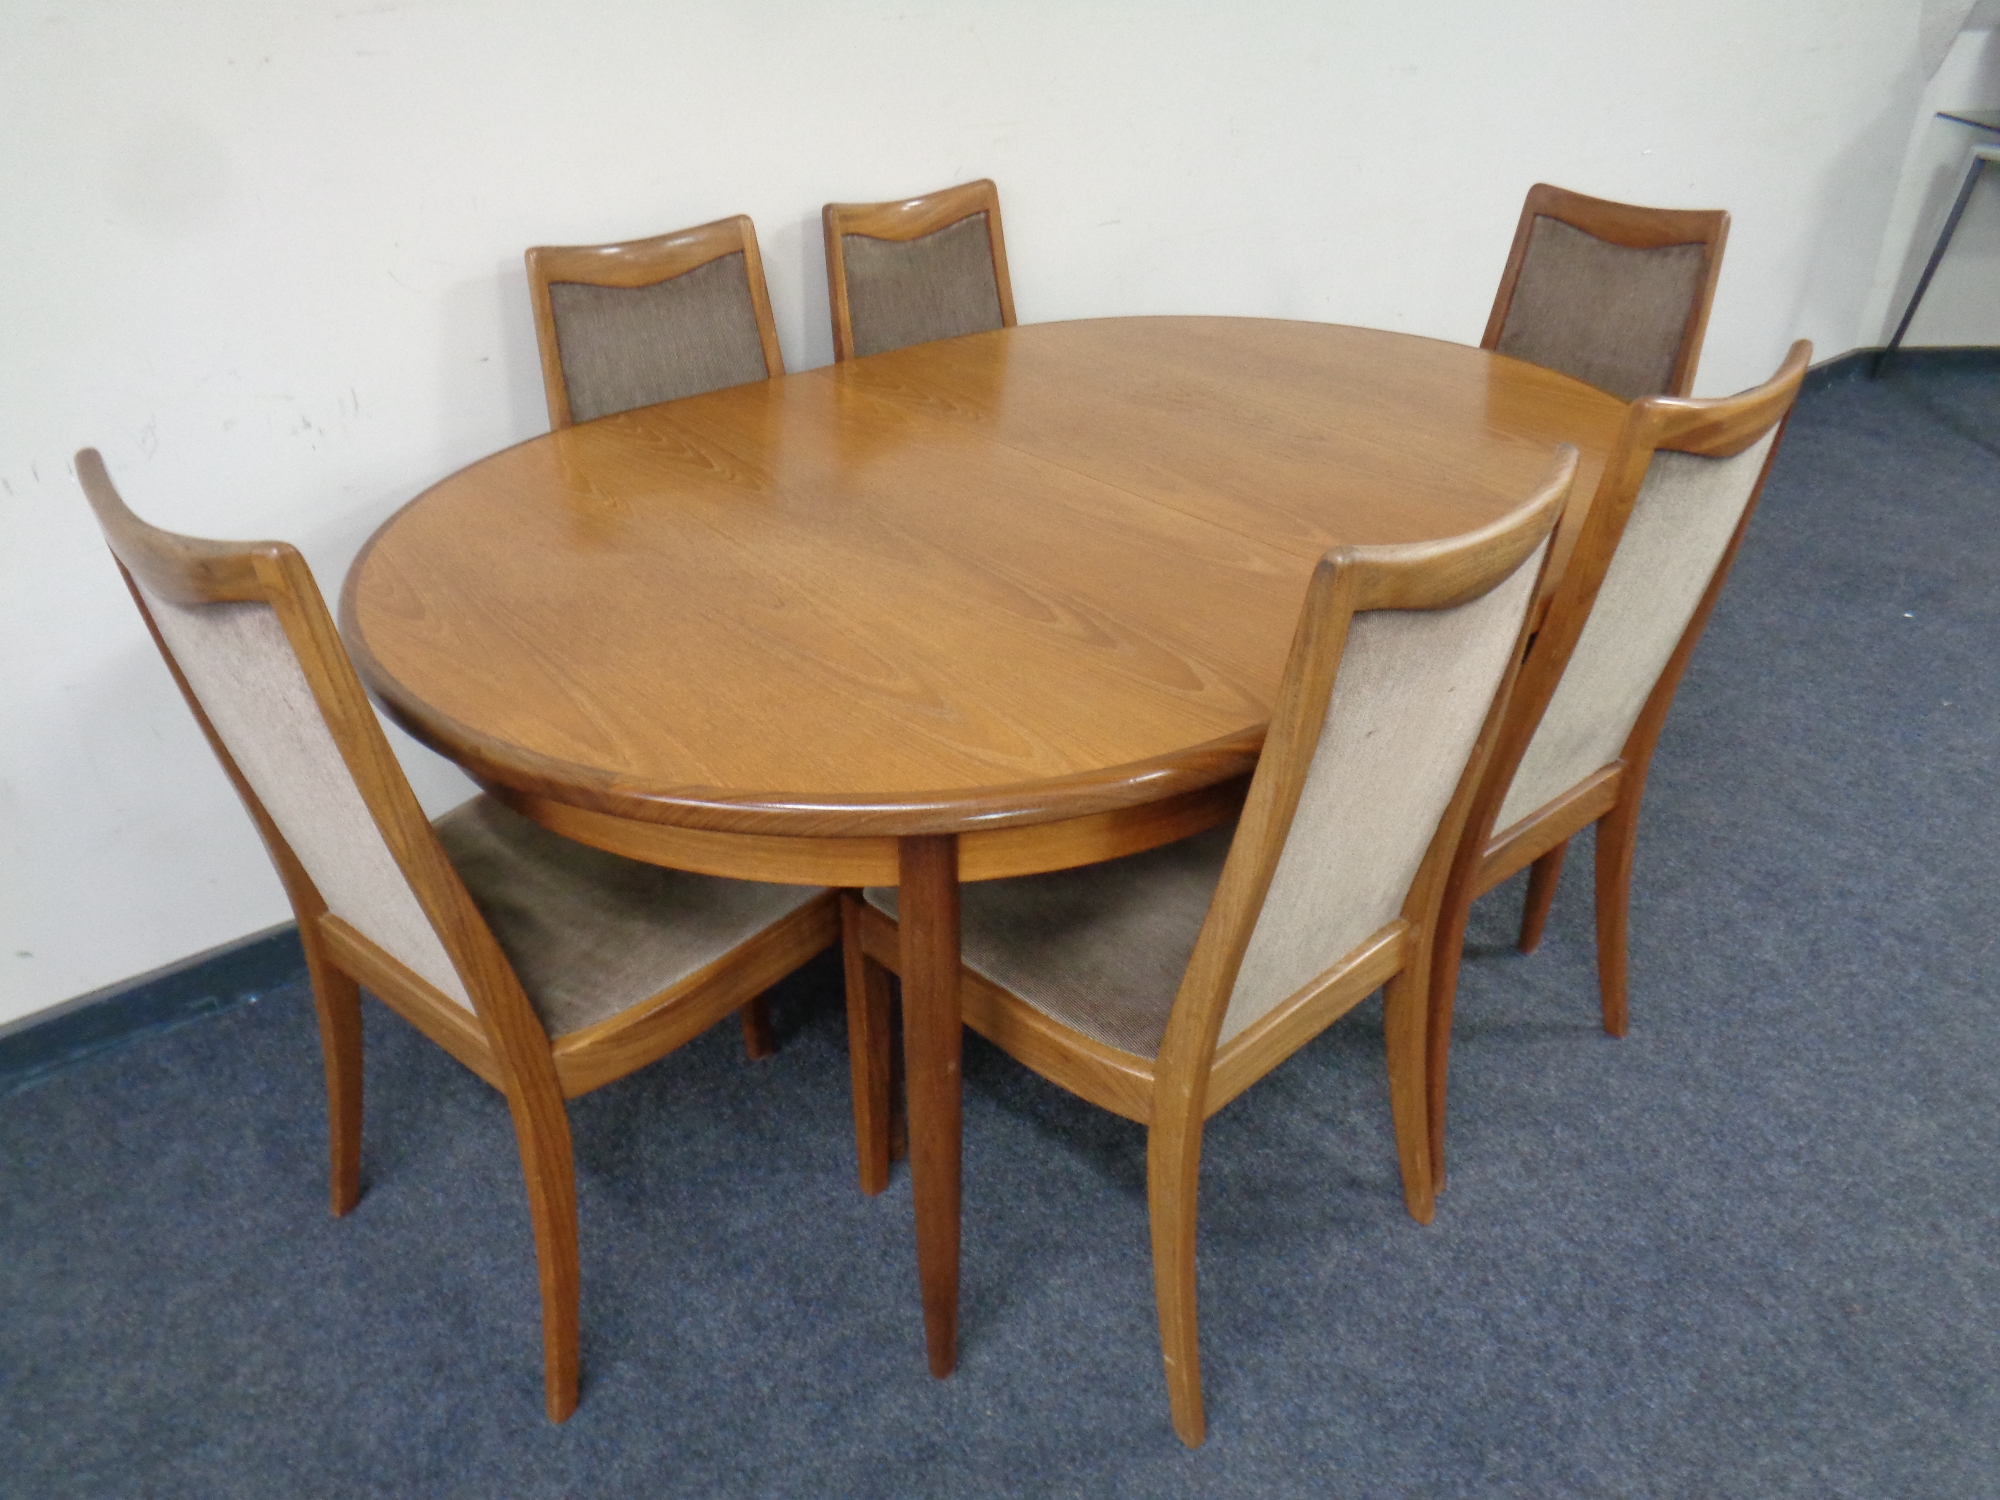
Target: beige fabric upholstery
623	347
591	934
1604	313
1413	690
912	291
1686	511
241	667
1101	948
588	933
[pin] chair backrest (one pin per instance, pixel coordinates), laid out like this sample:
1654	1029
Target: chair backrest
651	320
248	639
1655	547
926	268
1611	293
1388	701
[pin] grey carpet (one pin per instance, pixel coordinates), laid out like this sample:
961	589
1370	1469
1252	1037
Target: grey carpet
1751	1250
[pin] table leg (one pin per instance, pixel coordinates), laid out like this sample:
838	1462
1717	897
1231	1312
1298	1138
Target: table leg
927	913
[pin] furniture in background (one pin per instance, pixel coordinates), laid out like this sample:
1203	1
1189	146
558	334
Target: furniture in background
975	608
651	320
1654	551
1982	157
1163	985
926	268
1611	293
547	968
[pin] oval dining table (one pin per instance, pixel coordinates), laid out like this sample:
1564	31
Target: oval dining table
995	605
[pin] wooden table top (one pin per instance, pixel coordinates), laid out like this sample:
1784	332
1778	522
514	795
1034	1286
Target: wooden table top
999	580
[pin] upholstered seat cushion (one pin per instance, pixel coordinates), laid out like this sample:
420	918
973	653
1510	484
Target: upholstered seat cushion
1102	948
591	934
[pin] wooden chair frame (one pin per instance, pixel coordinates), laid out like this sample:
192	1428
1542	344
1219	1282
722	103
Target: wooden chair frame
1609	797
1190	1079
1635	228
501	1039
909	219
639	263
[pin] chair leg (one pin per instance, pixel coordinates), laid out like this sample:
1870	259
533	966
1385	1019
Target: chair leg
337	1001
1405	1010
1542	877
1447	951
1617	831
1930	267
549	1167
899	1095
869	1050
758	1042
1173	1174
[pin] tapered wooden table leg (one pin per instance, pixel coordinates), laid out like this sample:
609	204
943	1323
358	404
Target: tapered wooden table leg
927	913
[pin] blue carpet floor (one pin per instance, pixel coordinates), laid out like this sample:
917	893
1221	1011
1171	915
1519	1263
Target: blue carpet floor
1751	1250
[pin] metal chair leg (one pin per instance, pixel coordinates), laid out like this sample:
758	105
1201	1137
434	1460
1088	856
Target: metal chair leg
1981	156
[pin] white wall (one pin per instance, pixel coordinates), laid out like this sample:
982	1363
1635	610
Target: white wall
1962	305
267	257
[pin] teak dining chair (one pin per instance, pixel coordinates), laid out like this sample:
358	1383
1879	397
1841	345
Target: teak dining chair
1163	985
926	268
1614	294
1586	711
651	320
546	967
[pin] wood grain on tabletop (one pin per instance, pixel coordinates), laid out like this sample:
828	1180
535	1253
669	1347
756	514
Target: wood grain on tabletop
1067	552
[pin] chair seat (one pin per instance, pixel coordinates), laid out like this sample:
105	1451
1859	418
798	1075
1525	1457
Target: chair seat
1101	948
591	934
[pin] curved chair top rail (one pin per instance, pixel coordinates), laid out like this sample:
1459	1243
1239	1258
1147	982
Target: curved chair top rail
1718	427
188	570
913	218
1633	225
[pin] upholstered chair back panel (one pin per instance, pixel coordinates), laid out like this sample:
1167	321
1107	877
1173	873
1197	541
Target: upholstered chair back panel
623	347
1686	511
243	672
1605	313
1412	693
938	286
